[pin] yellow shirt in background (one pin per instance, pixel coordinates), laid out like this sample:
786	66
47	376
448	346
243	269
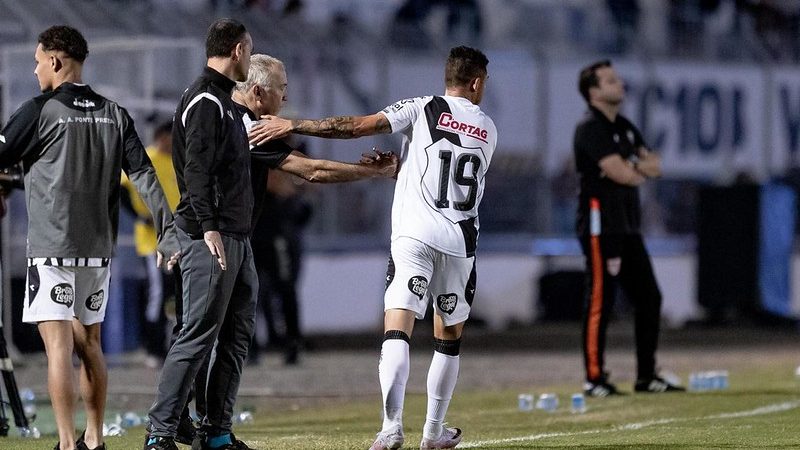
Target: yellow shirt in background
144	235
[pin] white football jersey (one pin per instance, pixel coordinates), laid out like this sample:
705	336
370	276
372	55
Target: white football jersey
448	144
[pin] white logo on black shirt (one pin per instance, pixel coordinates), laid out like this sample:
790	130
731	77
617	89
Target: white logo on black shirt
2	139
83	103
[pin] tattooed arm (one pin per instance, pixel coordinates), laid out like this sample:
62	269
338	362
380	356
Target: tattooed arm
340	127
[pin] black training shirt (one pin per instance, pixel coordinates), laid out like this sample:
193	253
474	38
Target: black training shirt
212	160
595	138
268	155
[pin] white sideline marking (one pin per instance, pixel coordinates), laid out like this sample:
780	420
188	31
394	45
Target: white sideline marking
769	409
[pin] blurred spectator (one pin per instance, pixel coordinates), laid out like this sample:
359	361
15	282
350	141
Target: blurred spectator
277	251
686	24
464	22
776	23
564	191
626	15
285	8
160	285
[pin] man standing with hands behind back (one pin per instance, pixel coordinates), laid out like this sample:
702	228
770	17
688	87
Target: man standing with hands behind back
612	161
212	159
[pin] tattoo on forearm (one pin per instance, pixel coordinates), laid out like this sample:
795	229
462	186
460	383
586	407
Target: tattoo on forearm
334	127
383	126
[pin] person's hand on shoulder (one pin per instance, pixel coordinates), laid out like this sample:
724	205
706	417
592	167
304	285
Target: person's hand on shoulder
269	128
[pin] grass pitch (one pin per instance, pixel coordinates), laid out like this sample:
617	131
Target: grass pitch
761	409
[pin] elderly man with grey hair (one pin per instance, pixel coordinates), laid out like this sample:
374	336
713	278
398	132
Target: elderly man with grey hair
264	92
276	250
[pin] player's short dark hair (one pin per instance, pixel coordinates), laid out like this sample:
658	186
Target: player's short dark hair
588	77
163	129
223	35
65	39
464	65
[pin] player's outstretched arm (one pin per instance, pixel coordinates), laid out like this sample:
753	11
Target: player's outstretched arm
339	127
377	165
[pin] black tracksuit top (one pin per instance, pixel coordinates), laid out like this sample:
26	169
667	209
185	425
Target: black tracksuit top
211	155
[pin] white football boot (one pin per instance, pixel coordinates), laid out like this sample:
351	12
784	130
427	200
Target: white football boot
449	439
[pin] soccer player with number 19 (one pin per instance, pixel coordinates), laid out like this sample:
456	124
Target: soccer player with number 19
448	144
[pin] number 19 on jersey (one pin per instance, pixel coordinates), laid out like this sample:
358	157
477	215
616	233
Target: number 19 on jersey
457	186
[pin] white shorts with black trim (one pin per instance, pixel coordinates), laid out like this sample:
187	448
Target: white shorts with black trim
418	274
61	293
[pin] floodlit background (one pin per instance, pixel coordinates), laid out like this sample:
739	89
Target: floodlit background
713	84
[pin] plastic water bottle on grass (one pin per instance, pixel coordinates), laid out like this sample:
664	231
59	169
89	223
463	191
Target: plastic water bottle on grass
578	405
28	399
547	402
525	402
29	433
244	417
130	419
113	429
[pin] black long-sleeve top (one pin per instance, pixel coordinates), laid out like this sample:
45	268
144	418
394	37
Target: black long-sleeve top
211	155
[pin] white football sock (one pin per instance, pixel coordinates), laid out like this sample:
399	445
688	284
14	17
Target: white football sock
393	374
442	378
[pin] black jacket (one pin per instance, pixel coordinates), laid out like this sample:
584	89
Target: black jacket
212	160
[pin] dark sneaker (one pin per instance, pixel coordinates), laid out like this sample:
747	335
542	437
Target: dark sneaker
186	431
200	443
656	385
601	388
81	445
159	443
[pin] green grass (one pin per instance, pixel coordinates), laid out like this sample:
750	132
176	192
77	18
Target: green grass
721	419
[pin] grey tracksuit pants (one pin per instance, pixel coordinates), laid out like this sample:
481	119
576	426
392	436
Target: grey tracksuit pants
218	306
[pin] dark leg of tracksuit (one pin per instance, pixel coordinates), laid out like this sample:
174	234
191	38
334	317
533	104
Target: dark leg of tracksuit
638	282
198	391
218	306
262	257
287	270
